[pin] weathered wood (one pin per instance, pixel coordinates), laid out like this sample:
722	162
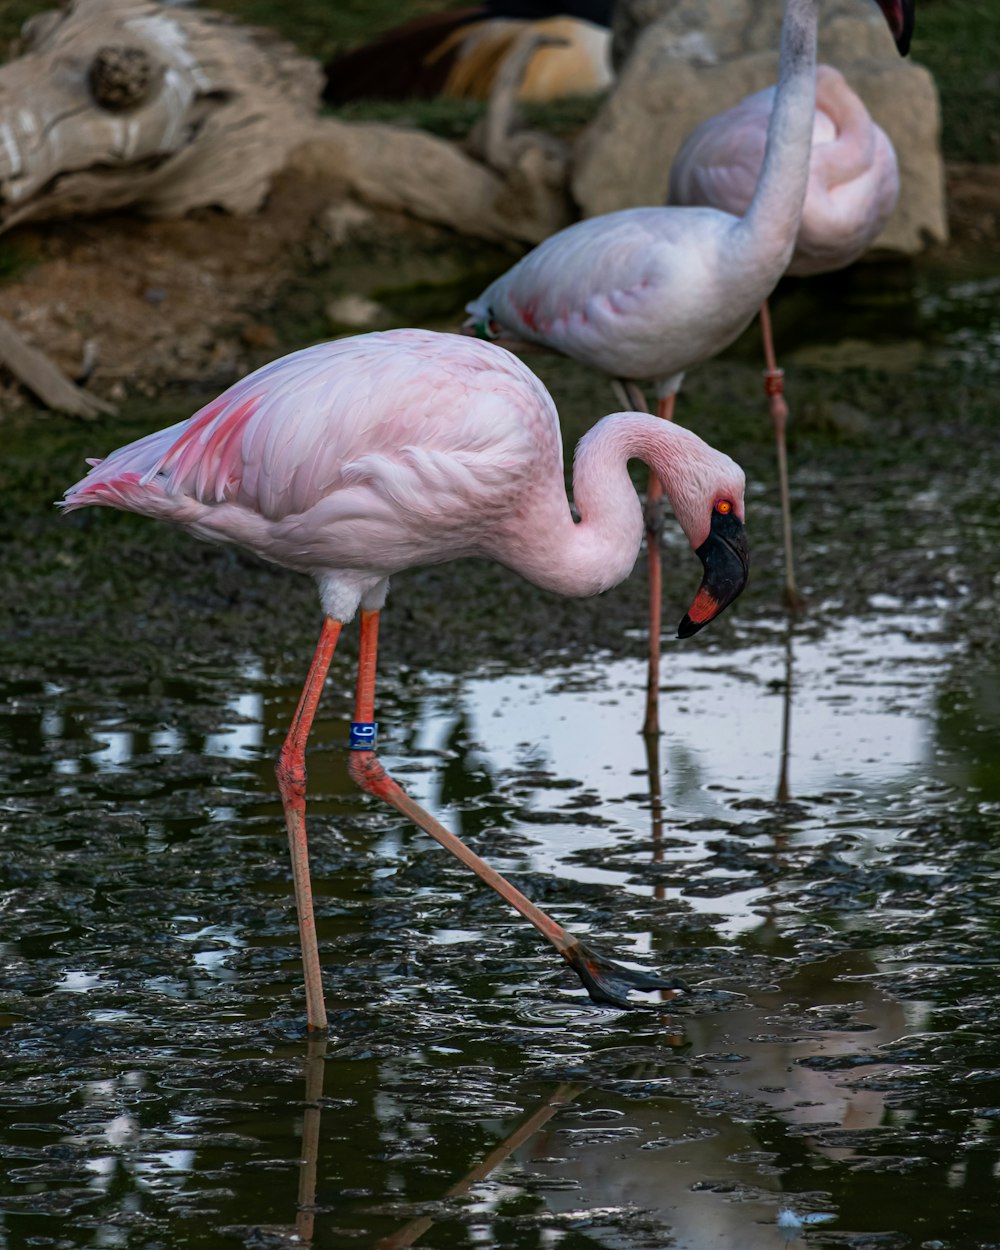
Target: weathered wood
506	184
44	379
410	171
128	103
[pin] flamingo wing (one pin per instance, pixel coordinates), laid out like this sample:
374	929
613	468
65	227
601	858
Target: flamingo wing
718	164
631	292
406	425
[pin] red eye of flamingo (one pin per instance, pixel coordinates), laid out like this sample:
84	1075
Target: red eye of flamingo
723	506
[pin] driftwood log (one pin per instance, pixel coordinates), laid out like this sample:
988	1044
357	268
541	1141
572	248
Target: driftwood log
504	184
37	372
126	103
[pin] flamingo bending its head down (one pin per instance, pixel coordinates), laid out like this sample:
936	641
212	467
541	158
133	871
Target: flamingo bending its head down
357	459
644	294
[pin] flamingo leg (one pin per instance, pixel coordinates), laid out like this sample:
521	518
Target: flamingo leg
654	567
291	771
605	981
774	389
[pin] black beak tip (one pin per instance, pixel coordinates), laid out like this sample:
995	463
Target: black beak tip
687	628
901	16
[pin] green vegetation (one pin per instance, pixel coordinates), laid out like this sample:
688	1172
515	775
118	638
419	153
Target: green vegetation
453	119
449	119
13	15
321	27
959	42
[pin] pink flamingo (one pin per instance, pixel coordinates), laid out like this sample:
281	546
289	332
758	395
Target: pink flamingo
647	293
851	192
356	459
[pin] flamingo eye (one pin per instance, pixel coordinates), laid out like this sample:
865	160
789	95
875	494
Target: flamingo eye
723	506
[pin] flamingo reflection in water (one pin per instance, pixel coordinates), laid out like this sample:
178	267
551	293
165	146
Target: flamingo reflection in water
657	1150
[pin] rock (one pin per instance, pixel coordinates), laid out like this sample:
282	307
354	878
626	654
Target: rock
357	311
699	57
345	220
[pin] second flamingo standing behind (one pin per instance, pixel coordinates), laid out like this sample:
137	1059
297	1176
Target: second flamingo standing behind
852	190
644	294
357	459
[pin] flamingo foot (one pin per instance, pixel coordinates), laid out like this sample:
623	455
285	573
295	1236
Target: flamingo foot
609	982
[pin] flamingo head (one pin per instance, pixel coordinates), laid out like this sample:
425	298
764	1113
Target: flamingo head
726	560
900	16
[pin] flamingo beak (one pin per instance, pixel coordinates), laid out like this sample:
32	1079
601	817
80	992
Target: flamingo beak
900	15
726	558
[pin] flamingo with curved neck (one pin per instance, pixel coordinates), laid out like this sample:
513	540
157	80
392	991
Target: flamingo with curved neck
355	460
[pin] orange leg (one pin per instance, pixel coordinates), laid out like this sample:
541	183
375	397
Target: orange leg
291	770
654	564
774	389
604	980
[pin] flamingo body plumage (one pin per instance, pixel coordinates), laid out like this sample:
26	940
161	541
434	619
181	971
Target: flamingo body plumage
641	294
851	191
356	459
853	182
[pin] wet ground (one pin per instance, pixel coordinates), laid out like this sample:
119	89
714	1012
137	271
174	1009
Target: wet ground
815	851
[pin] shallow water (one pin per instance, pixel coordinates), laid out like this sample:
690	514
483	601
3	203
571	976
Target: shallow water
815	852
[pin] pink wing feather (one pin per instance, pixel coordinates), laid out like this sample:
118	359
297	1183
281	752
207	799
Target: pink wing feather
853	175
389	410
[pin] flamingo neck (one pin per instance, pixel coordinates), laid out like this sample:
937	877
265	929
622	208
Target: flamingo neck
600	550
772	220
852	152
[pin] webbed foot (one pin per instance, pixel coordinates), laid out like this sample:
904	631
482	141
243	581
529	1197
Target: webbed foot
609	982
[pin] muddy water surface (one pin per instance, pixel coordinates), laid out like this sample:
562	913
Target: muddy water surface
813	848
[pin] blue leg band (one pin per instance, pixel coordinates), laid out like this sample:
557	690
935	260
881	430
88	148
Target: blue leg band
363	735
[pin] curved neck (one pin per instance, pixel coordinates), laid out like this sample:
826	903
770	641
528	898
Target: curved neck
598	552
851	153
772	220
